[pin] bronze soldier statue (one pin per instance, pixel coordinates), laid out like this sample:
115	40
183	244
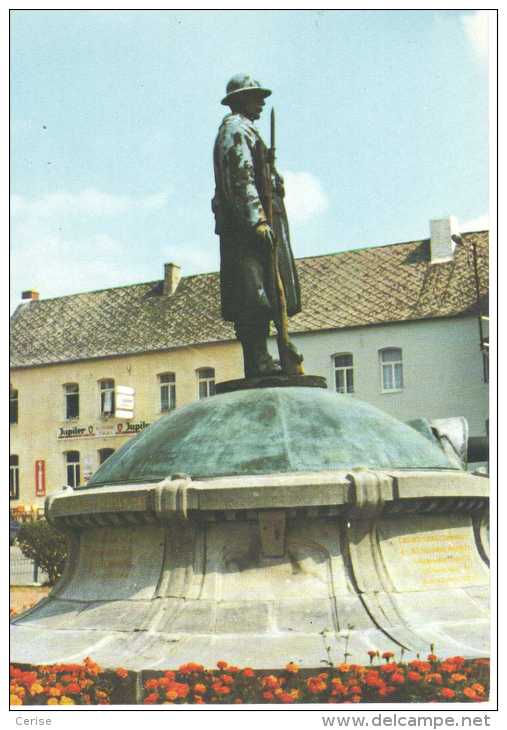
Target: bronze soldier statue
252	223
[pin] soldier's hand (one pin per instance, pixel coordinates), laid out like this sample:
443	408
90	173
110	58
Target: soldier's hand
265	235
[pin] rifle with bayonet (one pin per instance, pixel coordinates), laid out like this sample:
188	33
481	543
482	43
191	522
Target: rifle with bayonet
290	359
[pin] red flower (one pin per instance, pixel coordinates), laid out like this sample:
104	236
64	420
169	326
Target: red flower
388	668
248	672
316	685
447	693
432	658
471	694
227	679
221	664
151	699
268	695
414	676
122	673
387	655
151	683
397	678
190	667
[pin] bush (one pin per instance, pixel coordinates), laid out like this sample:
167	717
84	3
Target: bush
42	543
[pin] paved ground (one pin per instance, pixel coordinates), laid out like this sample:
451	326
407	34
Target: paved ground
23	597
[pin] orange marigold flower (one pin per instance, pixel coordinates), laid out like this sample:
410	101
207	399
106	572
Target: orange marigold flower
479	688
181	688
171	695
372	679
286	698
221	664
170	674
414	676
471	694
397	678
388	668
433	678
386	691
356	698
344	667
238	701
198	700
200	688
232	669
432	658
292	668
190	667
316	685
457	678
164	682
15	700
419	666
227	679
355	690
101	694
447	692
270	681
387	655
73	688
268	695
248	672
151	699
54	692
223	690
458	660
151	683
121	673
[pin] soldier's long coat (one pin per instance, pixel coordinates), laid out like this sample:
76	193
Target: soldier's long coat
246	275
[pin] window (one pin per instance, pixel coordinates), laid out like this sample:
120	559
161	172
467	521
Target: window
13	406
167	391
344	373
13	476
391	366
71	400
485	365
106	397
206	378
105	454
73	468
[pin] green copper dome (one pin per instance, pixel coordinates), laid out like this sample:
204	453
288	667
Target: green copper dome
266	431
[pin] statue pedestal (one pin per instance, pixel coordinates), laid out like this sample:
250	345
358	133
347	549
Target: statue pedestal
272	381
381	546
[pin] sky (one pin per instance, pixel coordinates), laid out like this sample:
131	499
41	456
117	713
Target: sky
382	124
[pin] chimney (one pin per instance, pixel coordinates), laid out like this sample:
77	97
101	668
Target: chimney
30	294
172	276
442	244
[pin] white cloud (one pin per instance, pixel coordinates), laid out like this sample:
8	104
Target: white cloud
305	197
87	203
476	29
481	223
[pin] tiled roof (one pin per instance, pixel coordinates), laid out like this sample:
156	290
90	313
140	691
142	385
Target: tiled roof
354	288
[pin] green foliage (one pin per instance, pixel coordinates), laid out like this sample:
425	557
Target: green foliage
42	543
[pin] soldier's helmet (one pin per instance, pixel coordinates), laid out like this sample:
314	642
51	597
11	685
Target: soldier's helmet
241	83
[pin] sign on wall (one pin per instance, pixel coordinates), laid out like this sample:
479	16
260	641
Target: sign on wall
124	401
101	431
40	478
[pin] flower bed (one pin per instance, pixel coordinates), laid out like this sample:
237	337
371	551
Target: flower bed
431	680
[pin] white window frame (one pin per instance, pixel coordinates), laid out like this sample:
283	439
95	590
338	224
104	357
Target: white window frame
345	369
106	393
14	477
75	466
167	383
70	393
390	365
205	378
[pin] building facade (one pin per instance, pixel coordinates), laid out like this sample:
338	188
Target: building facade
396	326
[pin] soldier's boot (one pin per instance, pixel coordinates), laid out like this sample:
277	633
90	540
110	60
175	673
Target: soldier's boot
263	362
